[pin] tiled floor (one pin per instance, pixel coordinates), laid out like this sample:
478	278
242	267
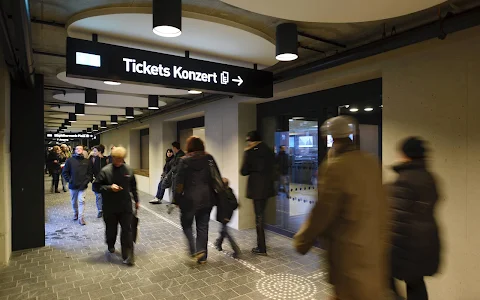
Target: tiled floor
74	264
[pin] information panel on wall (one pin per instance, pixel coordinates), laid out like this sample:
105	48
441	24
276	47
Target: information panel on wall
94	60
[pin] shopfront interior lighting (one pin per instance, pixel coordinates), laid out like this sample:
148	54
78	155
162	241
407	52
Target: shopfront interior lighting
103	124
79	109
114	120
298	118
72	117
194	92
353	109
129	114
368	109
167	17
95	128
153	102
287	42
90	97
112	82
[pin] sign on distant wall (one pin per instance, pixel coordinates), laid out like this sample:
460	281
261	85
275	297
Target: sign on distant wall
93	60
69	136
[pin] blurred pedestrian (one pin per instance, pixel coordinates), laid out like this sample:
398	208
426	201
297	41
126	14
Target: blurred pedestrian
78	173
415	249
116	182
166	168
170	178
98	163
258	164
54	167
195	196
351	214
225	207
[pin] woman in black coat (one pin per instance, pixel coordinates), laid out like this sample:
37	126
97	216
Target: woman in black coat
415	239
195	196
169	156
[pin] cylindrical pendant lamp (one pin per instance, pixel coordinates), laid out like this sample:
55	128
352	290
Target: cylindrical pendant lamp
90	97
95	128
152	102
79	109
287	42
167	17
114	120
129	113
103	124
72	117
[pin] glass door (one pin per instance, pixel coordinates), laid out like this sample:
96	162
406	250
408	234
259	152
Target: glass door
297	162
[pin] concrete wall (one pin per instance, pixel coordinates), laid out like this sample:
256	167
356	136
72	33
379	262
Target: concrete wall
5	196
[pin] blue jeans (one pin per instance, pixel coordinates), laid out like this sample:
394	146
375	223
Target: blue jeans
160	191
99	201
202	220
78	202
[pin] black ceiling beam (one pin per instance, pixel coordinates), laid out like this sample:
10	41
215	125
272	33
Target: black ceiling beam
49	23
63	87
432	30
48	53
312	49
320	39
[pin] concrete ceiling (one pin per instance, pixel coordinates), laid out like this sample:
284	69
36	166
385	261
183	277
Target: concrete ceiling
51	39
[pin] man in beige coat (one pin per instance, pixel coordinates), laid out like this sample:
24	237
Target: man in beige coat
351	216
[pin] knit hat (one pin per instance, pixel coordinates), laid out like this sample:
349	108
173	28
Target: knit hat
339	127
414	148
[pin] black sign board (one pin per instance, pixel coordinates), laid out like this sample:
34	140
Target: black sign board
93	60
50	135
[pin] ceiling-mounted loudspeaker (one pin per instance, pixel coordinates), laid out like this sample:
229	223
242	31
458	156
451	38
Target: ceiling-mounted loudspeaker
167	17
152	102
72	117
95	127
287	42
103	124
114	120
79	109
129	113
90	97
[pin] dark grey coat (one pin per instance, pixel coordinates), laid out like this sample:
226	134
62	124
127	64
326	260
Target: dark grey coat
259	164
415	238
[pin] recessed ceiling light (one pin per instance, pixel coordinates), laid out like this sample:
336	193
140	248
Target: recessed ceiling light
112	82
194	92
167	31
368	109
353	109
286	57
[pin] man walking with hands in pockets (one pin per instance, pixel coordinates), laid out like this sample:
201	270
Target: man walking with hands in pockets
117	184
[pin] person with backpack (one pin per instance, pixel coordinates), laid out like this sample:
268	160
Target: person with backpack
225	208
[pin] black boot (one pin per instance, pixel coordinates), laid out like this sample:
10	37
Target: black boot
235	248
261	248
218	244
257	251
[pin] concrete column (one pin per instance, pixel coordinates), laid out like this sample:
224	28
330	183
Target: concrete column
5	196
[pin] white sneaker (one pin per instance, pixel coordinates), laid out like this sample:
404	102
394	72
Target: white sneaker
155	201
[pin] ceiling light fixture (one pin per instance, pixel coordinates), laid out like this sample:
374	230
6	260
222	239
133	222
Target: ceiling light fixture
112	82
129	113
103	124
89	130
287	42
84	131
368	109
90	97
298	118
353	109
79	109
167	17
95	127
114	120
72	117
67	123
153	102
194	92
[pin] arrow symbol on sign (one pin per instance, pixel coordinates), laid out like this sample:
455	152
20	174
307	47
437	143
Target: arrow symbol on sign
239	80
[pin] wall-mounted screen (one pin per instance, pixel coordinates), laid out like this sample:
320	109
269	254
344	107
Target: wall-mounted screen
305	141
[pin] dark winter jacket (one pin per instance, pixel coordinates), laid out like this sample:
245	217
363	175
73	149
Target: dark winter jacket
415	238
193	189
226	206
282	163
170	177
168	165
258	163
78	172
54	167
122	176
98	163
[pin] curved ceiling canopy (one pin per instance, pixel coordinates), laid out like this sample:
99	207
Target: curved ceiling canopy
334	11
95	110
110	100
205	39
122	88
